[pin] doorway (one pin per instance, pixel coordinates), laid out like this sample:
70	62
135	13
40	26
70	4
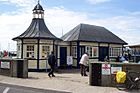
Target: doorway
63	57
103	52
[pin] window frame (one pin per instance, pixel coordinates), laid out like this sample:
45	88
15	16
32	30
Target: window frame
91	52
115	51
94	54
74	51
30	51
45	51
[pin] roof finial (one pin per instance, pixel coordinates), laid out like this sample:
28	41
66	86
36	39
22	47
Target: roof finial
38	1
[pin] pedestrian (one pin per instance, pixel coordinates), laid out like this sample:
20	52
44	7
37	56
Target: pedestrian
83	64
118	59
51	62
126	57
106	59
122	59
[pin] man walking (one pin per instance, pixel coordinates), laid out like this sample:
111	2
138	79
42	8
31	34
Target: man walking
51	62
83	63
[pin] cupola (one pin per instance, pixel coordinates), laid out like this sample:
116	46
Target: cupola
38	11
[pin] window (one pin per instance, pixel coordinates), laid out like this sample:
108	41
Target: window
74	51
45	51
18	51
114	52
18	48
92	51
88	50
30	51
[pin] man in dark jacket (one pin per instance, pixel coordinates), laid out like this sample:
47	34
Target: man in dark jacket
51	62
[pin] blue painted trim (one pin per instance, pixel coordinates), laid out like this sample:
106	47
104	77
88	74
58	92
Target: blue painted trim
78	54
22	48
70	49
38	53
56	55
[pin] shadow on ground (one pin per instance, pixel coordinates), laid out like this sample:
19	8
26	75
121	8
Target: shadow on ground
74	71
33	78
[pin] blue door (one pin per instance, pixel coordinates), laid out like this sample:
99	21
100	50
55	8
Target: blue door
103	52
63	57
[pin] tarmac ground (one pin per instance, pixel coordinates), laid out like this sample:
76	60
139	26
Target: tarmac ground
68	80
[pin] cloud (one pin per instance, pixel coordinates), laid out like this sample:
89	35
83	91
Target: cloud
126	27
60	20
11	26
56	19
24	3
97	1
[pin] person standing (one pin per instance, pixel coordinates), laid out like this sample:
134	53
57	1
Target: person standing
83	63
51	62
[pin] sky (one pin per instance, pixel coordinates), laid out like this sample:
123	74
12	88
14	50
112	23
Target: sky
121	17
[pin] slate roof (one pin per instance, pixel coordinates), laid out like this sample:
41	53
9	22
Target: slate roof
85	32
37	29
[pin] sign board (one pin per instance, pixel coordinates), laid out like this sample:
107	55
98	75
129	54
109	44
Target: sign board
69	60
106	69
115	69
5	65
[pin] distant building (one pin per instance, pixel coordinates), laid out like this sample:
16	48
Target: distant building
37	42
134	50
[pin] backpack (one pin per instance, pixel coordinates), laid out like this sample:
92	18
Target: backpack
121	77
